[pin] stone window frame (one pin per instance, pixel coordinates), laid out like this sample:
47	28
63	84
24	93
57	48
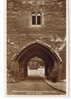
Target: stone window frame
36	21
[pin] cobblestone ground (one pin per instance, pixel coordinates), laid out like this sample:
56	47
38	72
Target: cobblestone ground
31	86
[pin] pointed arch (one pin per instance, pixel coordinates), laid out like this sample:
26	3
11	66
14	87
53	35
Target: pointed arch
41	50
36	48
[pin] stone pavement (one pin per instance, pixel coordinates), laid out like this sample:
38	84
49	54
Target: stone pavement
32	86
58	85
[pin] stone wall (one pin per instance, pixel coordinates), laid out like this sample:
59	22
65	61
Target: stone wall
20	31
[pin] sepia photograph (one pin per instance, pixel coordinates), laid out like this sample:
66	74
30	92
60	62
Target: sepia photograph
36	47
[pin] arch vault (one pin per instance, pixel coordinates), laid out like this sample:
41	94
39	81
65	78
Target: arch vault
43	51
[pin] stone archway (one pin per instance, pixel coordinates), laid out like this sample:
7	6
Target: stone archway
46	53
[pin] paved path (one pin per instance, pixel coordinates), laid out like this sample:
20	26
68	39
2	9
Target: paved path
31	86
61	85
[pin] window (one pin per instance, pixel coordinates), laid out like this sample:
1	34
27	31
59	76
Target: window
33	20
36	19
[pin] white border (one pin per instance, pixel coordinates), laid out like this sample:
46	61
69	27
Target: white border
67	54
3	47
69	47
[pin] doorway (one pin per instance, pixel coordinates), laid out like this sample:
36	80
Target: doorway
46	64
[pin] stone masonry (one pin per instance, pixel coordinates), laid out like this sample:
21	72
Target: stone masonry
20	31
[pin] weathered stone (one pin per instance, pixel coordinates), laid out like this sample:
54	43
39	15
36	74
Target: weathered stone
21	32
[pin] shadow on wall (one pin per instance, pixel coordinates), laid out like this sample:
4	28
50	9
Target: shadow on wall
46	53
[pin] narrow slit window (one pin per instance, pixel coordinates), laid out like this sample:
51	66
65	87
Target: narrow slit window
38	20
33	20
